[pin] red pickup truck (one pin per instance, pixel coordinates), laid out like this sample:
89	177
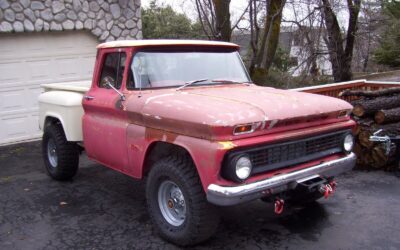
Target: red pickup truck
185	116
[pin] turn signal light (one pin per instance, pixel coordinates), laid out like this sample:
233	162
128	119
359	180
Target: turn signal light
243	129
344	113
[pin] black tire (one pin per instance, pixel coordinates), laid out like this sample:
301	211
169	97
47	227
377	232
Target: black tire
201	218
65	165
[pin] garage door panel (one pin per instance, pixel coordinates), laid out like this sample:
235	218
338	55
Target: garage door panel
10	73
39	69
39	45
12	100
28	60
67	68
88	60
19	100
16	126
32	100
13	128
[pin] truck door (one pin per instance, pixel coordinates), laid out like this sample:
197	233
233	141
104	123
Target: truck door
105	121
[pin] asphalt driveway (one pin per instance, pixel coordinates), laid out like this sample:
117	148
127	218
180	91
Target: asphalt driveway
103	209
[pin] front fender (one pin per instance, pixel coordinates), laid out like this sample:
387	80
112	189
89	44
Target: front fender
206	155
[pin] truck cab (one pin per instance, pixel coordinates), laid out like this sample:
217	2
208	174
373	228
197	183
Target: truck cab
185	115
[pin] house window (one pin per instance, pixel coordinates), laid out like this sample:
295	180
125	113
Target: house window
113	70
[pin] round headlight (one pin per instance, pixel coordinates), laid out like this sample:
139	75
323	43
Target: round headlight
348	143
243	167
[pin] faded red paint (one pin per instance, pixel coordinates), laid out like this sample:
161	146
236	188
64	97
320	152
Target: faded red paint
200	119
212	112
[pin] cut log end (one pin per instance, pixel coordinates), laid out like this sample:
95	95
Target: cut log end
380	117
368	107
358	110
363	137
387	116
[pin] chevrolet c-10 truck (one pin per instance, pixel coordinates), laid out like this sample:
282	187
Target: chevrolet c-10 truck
185	116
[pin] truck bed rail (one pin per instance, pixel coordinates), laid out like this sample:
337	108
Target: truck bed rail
335	89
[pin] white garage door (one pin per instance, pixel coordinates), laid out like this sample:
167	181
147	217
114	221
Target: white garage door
28	60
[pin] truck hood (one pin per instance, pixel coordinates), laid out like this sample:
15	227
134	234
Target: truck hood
213	112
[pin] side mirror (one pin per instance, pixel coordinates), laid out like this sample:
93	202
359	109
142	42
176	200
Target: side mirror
109	83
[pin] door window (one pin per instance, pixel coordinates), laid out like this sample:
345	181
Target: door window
113	70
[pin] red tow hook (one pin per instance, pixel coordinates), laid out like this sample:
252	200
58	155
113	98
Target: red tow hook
279	203
328	189
333	186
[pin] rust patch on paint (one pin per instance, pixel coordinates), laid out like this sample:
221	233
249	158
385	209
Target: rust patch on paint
136	148
159	135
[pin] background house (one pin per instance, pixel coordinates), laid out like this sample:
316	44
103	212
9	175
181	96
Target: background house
309	53
52	41
243	38
302	52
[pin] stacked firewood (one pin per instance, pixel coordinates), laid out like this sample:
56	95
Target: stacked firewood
374	110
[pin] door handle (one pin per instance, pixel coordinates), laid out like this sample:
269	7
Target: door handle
88	97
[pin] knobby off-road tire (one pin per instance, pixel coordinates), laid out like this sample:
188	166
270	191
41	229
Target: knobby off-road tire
177	175
61	157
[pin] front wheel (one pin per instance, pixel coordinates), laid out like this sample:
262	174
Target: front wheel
177	204
61	157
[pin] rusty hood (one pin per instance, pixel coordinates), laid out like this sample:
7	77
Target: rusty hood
213	112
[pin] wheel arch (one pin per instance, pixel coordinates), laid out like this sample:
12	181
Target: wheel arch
157	150
203	154
52	118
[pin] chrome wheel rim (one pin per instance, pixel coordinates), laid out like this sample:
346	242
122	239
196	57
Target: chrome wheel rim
172	203
52	153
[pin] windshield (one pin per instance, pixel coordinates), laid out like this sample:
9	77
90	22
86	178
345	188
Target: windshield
165	69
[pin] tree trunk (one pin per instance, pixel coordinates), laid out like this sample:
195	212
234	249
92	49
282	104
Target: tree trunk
341	57
387	115
254	35
366	107
223	20
270	39
354	10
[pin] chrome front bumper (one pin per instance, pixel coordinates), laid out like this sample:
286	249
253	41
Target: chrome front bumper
226	196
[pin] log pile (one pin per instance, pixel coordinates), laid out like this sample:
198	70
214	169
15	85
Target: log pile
374	110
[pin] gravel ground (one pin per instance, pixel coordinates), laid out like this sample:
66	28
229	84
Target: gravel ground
103	209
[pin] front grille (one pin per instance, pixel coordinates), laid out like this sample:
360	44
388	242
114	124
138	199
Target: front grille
280	155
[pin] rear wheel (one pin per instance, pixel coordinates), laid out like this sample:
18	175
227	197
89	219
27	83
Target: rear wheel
177	204
61	157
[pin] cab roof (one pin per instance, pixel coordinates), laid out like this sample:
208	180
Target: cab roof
160	42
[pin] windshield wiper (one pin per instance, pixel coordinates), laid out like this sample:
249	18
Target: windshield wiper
190	83
227	81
